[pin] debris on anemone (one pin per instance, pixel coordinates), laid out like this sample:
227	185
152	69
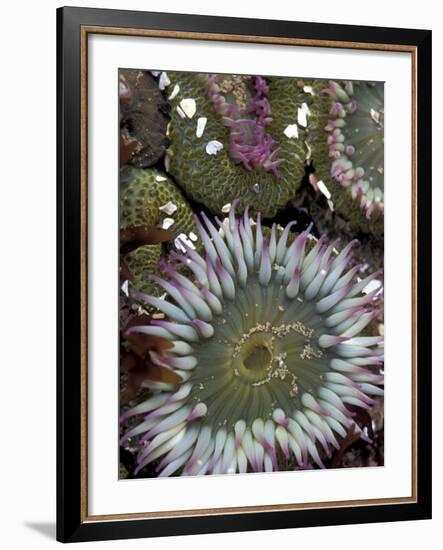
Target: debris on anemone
270	338
346	135
236	136
148	198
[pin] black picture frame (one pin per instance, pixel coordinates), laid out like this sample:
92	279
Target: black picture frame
72	525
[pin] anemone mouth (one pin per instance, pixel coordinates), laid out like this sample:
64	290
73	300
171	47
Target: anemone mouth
245	109
266	337
356	141
240	141
264	352
257	356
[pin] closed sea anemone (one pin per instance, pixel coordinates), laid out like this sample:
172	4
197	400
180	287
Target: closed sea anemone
270	337
236	136
149	199
346	133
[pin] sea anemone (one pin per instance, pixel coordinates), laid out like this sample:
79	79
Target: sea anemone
346	135
149	199
236	136
143	119
270	338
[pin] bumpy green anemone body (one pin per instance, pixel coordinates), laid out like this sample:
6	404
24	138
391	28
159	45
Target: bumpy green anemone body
144	195
228	140
346	135
150	198
269	336
141	262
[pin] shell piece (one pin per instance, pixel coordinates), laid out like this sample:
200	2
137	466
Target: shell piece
189	106
213	147
174	91
201	124
169	208
163	81
291	131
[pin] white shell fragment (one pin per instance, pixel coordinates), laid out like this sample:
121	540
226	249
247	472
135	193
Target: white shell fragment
226	208
308	90
291	131
125	288
302	115
188	106
213	147
183	238
163	81
158	315
376	116
302	118
306	108
201	124
160	178
169	208
167	222
323	189
174	91
180	112
193	236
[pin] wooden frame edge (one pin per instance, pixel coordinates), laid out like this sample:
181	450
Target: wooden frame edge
276	40
202	512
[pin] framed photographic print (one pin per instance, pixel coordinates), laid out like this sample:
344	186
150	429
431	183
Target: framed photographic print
244	272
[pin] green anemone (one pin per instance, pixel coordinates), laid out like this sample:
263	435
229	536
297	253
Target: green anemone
148	197
140	262
234	136
270	339
346	135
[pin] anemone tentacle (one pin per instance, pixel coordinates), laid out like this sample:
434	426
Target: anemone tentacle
270	338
